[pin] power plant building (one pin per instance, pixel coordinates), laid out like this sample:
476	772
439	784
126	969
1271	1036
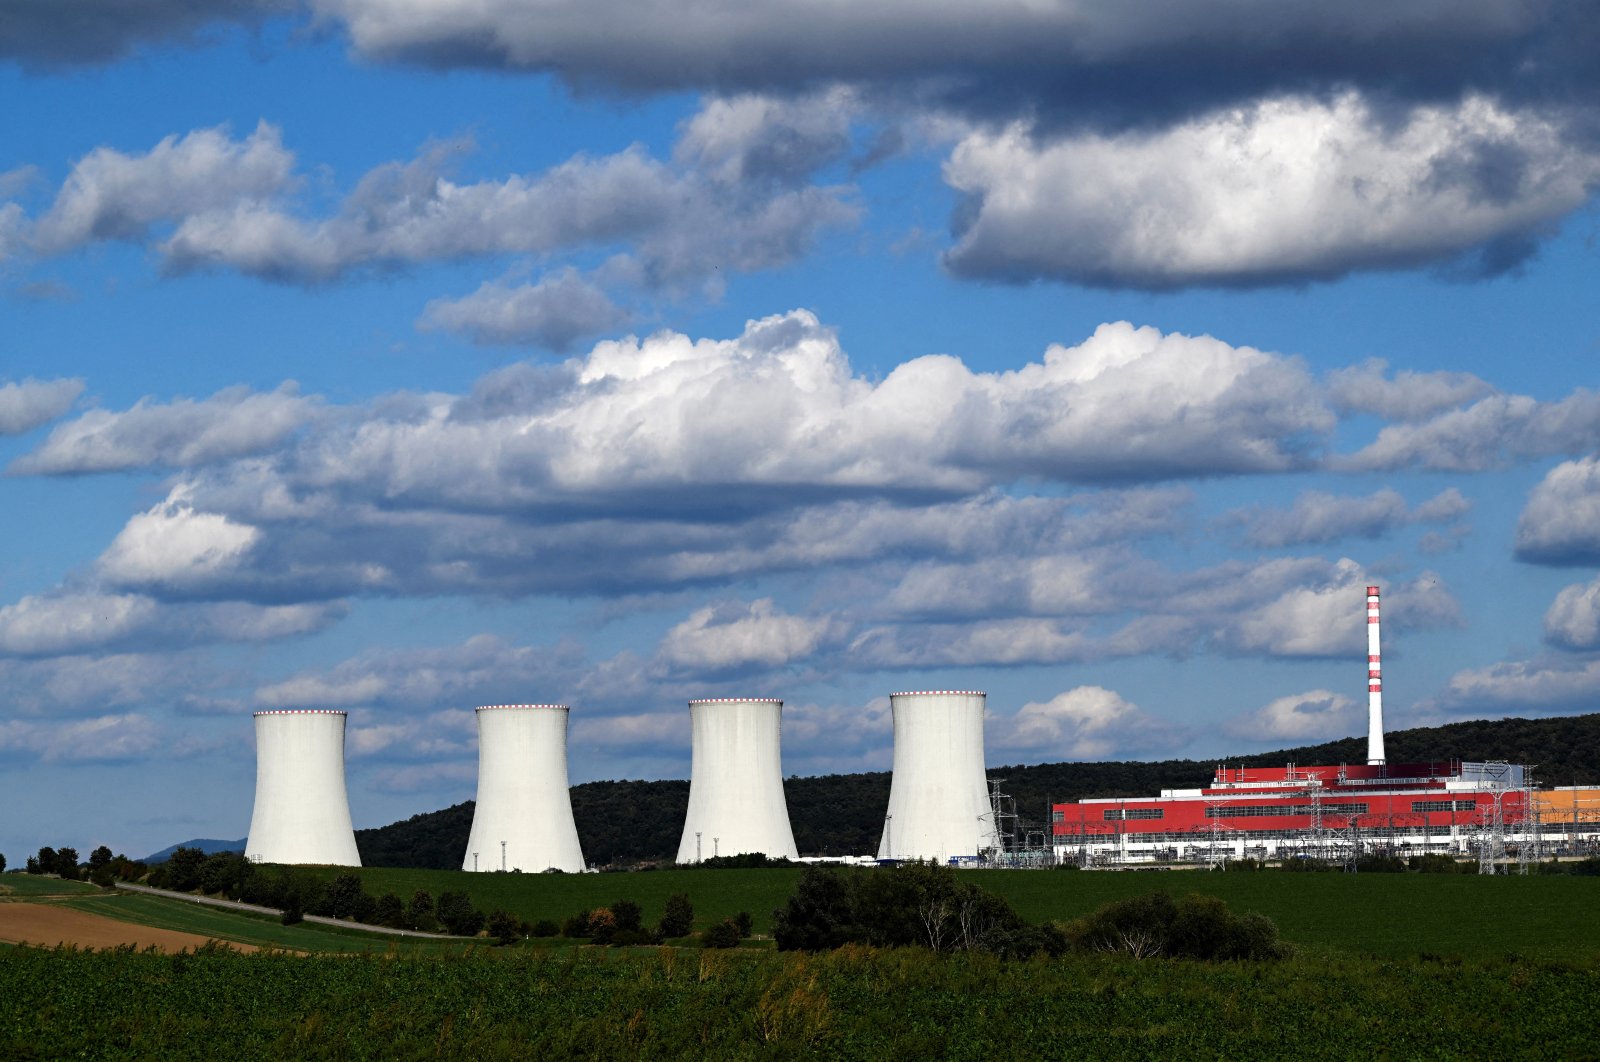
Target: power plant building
736	802
523	818
939	804
302	811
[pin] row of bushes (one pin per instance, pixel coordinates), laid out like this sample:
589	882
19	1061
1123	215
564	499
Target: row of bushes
939	908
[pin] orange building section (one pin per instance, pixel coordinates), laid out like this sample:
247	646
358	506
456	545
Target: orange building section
1556	806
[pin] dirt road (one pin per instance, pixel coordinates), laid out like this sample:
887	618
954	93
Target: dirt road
41	923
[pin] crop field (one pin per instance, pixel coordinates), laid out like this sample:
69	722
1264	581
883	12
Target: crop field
854	1003
36	887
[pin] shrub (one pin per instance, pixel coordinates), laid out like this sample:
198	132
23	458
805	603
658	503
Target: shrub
602	924
544	927
678	919
505	927
1380	863
1437	863
292	914
577	926
456	913
1193	927
420	912
627	915
742	922
389	910
725	934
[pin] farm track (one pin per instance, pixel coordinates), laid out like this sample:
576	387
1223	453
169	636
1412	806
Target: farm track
52	924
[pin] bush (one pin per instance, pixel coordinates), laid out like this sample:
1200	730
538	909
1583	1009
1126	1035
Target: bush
678	919
389	910
544	927
577	926
725	934
1192	927
292	914
420	912
505	927
1307	865
1380	863
456	913
627	915
741	921
602	924
1437	863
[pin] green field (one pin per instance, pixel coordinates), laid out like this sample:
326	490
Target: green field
855	1003
1384	914
247	928
38	887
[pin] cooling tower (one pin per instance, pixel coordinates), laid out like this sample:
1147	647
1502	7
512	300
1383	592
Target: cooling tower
302	813
938	802
523	820
736	800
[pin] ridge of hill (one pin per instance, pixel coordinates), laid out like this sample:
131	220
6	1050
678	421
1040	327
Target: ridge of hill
840	814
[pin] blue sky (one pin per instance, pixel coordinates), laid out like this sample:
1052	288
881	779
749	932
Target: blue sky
408	355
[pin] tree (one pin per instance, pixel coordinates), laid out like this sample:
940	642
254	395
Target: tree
725	934
67	863
341	897
183	869
2	862
505	927
678	920
46	861
390	911
458	915
420	912
628	915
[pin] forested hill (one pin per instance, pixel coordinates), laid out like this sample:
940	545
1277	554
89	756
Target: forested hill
626	822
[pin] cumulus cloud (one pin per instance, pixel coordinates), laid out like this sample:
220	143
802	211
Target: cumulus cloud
102	739
173	546
1560	524
1089	722
110	195
1106	59
1317	715
767	138
1316	517
737	635
1284	190
1573	620
183	433
1405	396
69	623
1320	619
1556	684
1491	433
26	405
551	313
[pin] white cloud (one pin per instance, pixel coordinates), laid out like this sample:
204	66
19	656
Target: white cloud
1573	620
552	313
1089	722
752	137
1406	396
26	405
1325	618
184	433
78	622
173	545
113	196
1562	684
737	635
1317	517
1317	715
102	739
1561	522
1490	433
1281	190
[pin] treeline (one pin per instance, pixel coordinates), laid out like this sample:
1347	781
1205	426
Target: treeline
103	868
632	822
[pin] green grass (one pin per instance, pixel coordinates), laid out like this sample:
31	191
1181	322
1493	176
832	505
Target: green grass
35	887
247	928
855	1003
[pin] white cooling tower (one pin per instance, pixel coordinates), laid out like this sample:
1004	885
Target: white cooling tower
523	820
938	802
736	800
302	812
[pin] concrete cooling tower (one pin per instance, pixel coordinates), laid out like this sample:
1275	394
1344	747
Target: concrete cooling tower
302	812
736	800
938	802
523	820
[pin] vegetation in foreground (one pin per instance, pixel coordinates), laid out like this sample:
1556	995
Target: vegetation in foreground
852	1003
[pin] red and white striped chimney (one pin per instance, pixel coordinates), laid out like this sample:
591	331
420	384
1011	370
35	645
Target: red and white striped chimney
1374	682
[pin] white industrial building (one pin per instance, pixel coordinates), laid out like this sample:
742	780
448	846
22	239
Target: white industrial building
523	819
939	804
736	802
302	812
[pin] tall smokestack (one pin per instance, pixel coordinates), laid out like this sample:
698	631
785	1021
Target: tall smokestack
1374	682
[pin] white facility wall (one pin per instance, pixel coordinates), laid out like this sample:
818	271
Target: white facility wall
302	812
938	800
523	797
736	798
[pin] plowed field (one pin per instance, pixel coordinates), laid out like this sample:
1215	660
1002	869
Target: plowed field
48	924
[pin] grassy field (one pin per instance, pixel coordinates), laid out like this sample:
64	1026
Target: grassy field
854	1003
1382	914
38	887
248	928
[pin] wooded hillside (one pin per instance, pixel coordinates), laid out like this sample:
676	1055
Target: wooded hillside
839	814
